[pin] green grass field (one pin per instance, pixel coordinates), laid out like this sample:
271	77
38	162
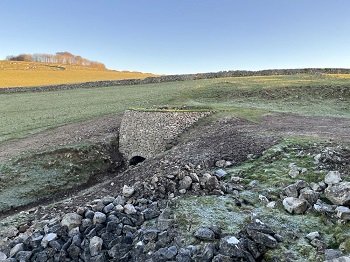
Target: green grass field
23	114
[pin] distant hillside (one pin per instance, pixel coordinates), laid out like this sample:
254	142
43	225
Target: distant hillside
24	73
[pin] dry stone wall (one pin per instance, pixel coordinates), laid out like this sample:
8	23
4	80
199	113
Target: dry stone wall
175	78
146	134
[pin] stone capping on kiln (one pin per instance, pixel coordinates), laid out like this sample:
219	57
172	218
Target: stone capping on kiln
144	134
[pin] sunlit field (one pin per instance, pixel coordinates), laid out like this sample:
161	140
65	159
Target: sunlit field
25	74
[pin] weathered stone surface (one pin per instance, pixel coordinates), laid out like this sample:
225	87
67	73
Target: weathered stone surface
128	191
24	256
99	217
129	209
220	173
323	207
17	248
71	220
95	246
230	246
205	234
331	254
185	183
47	238
2	256
309	195
262	238
313	235
339	194
343	213
295	205
333	177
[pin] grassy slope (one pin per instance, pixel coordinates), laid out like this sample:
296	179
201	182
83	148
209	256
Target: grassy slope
26	113
14	74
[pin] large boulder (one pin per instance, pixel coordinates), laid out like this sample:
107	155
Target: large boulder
339	194
333	177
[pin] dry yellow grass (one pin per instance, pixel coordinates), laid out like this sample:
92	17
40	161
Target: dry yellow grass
344	76
25	74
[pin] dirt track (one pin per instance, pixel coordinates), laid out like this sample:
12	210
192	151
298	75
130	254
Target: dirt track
103	128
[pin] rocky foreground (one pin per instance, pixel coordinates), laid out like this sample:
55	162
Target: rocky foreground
140	224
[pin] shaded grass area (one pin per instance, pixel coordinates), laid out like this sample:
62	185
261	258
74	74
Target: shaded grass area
248	97
53	171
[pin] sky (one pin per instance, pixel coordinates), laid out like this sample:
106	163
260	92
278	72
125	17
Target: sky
182	36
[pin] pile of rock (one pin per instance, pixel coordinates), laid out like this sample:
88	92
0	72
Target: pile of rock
134	227
301	196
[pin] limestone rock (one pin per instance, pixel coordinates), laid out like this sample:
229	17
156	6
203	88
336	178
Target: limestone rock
339	194
185	183
95	246
313	235
47	238
128	191
129	209
99	218
309	195
343	213
322	207
71	220
17	248
295	205
204	233
333	177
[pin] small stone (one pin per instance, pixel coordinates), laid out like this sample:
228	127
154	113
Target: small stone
71	220
204	234
119	208
128	191
272	204
185	183
17	248
182	191
108	208
322	207
331	254
107	200
294	171
119	200
333	177
194	177
212	183
129	209
220	163
47	238
2	256
309	195
253	184
313	235
343	213
95	246
99	218
150	213
236	179
263	199
295	205
24	256
220	173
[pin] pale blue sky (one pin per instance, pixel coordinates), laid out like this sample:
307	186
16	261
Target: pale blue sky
182	36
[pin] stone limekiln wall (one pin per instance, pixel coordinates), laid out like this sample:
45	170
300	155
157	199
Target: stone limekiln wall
147	134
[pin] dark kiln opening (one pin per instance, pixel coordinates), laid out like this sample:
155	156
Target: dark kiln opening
135	160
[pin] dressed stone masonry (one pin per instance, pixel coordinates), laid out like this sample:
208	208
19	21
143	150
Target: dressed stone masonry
146	134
